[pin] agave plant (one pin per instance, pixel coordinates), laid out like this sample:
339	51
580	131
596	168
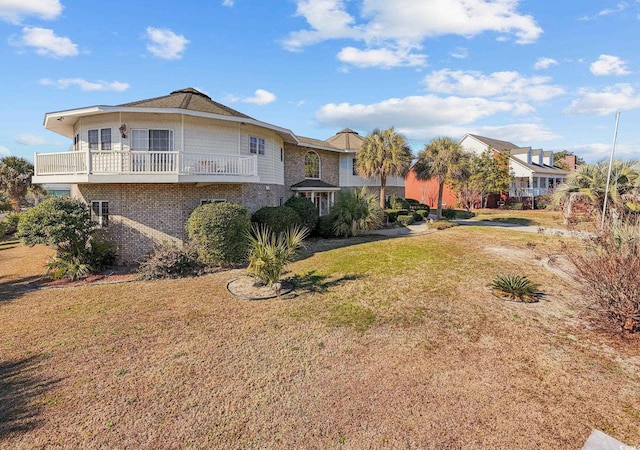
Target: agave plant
269	252
516	287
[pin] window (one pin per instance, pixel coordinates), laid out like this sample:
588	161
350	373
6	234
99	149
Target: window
281	154
312	165
76	142
100	212
153	140
105	139
99	139
355	171
206	201
256	145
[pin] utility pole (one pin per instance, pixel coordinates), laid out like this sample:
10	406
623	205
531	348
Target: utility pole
606	189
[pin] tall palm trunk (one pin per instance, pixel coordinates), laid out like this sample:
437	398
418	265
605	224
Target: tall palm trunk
440	194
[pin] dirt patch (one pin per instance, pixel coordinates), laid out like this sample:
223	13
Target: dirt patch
121	274
248	288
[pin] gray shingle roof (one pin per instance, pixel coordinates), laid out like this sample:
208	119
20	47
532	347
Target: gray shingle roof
189	99
314	184
496	143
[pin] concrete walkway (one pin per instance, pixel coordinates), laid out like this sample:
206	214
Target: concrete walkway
421	228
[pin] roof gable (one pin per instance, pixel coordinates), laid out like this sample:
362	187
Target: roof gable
495	144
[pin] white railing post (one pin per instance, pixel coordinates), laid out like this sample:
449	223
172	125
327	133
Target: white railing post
88	161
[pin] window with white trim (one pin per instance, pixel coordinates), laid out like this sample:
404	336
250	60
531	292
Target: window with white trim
100	212
152	140
312	165
256	145
207	201
99	139
354	171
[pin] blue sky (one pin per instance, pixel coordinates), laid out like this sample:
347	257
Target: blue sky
546	74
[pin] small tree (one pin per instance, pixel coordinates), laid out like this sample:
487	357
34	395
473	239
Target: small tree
441	158
383	153
15	179
219	231
66	224
354	212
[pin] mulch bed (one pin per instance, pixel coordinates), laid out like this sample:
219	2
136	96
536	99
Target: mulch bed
120	274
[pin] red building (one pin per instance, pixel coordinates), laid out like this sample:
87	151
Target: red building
426	191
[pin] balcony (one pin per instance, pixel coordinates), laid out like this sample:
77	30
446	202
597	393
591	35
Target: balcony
529	192
143	167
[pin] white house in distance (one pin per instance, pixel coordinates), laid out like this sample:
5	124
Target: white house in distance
533	171
144	166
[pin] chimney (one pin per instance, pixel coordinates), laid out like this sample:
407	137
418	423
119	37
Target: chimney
570	161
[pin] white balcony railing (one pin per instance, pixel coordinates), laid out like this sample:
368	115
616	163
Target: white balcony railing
529	192
144	162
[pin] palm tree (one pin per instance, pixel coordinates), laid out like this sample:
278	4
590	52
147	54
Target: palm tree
383	153
354	212
443	159
15	179
588	184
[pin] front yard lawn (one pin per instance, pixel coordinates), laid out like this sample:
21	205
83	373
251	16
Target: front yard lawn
389	343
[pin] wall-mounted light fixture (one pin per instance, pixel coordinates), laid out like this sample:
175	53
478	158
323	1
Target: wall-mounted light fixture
123	130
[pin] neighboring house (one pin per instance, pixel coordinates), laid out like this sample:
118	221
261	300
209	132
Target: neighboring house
533	171
144	166
426	191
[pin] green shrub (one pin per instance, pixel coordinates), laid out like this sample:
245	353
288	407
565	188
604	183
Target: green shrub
392	214
405	219
423	212
442	224
219	233
72	267
515	287
414	204
544	202
515	206
66	224
269	252
324	227
398	203
354	212
170	261
306	210
449	213
11	224
277	218
416	217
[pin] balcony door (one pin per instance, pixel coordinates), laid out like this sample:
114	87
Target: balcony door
158	144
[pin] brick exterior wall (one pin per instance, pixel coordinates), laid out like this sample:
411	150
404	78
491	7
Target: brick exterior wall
294	165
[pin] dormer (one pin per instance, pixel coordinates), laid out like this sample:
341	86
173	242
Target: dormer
547	158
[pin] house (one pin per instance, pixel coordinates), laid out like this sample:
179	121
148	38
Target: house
144	166
532	169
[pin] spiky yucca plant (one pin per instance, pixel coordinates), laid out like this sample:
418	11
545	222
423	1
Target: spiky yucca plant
269	252
516	287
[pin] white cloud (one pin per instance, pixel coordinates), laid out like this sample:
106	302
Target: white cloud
404	23
619	8
165	43
261	97
46	43
503	85
609	65
383	57
14	11
85	85
544	63
613	98
4	151
412	114
228	3
460	53
30	139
